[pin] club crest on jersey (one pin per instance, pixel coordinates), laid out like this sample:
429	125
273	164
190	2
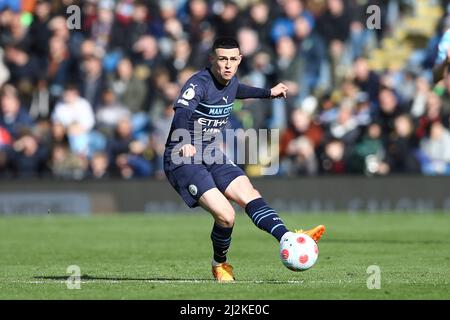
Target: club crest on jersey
189	94
193	190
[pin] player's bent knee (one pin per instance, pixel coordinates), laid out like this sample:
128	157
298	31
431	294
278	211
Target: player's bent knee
225	219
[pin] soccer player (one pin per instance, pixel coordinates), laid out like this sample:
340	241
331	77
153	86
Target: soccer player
204	106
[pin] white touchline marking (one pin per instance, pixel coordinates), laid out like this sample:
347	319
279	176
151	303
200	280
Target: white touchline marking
203	281
49	281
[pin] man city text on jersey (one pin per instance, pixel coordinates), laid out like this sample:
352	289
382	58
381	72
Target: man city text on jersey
211	104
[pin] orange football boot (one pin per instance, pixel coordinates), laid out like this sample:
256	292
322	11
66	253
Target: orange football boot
315	233
223	272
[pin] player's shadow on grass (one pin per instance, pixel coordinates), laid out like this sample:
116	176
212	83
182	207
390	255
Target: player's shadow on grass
86	277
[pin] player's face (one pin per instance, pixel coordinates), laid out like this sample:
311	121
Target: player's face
225	63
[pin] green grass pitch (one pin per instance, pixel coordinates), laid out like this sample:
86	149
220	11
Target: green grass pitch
168	257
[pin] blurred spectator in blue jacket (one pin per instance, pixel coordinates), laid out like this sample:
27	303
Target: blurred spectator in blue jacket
28	158
133	164
285	25
13	117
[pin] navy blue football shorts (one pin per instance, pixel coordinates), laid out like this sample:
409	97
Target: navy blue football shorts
191	181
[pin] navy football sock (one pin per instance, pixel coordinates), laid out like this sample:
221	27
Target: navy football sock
221	239
265	218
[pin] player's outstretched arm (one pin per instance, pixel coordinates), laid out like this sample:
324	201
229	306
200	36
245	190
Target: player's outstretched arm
279	91
247	92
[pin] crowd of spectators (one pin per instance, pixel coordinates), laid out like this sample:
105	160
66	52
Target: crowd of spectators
95	100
